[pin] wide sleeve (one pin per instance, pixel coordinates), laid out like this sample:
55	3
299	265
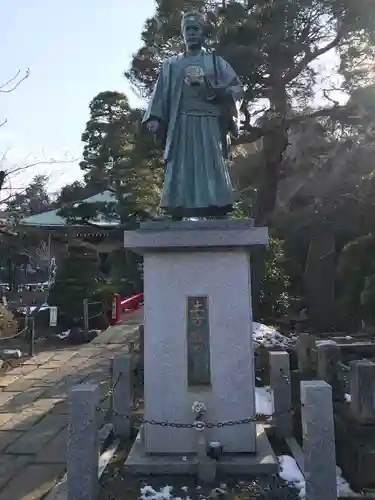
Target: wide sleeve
232	83
158	106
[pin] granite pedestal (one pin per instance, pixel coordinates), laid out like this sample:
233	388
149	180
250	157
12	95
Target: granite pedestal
184	263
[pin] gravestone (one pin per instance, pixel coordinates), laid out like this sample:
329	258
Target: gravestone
198	341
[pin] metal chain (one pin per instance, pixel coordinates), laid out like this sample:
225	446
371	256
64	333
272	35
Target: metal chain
201	424
284	376
108	394
198	424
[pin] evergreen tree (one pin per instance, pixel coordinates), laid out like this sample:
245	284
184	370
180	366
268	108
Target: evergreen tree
272	45
78	278
117	155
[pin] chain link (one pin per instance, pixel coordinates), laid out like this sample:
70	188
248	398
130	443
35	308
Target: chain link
201	424
108	395
198	424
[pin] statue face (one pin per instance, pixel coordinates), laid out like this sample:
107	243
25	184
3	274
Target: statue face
192	34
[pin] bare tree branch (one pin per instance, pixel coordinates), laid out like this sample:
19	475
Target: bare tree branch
14	82
43	162
309	57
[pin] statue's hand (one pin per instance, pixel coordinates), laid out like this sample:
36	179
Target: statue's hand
153	126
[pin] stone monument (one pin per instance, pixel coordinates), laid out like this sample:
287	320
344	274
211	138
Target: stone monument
198	349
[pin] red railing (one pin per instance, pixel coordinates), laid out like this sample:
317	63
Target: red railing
131	304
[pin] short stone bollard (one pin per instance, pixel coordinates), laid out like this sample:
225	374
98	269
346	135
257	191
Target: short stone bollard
83	444
206	467
141	353
318	440
305	347
328	358
122	399
282	393
362	390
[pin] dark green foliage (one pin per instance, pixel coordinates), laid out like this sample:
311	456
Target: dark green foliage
78	278
274	292
368	300
356	268
117	155
319	280
33	200
72	192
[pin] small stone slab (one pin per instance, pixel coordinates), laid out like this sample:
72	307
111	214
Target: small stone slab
185	225
262	462
11	354
209	239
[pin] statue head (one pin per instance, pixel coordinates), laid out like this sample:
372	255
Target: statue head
193	29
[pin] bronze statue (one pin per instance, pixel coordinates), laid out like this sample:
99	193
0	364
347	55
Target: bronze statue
193	112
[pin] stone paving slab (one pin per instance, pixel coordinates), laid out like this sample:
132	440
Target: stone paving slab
21	421
37	480
8	438
7	380
20	400
11	465
55	451
20	385
33	441
34	407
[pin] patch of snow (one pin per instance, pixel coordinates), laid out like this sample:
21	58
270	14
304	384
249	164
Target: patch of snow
348	398
291	474
264	400
149	493
326	342
269	337
63	335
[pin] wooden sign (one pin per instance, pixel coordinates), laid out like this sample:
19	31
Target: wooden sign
198	341
53	316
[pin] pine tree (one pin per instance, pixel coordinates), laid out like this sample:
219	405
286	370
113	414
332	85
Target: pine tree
117	155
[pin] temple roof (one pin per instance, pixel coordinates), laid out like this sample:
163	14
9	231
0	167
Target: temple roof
52	219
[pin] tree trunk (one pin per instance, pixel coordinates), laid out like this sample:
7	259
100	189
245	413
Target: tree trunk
274	145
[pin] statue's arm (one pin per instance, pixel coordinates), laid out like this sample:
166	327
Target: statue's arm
231	82
157	109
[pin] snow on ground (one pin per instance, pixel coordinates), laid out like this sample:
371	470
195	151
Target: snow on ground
291	474
264	400
269	337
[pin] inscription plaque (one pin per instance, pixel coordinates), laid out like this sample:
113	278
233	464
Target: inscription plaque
198	341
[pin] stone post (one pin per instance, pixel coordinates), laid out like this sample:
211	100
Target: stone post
206	466
318	440
142	344
328	358
362	390
122	395
305	347
282	395
83	443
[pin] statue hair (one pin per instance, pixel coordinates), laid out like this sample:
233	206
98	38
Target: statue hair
196	15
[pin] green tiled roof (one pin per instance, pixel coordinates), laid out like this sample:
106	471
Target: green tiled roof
51	218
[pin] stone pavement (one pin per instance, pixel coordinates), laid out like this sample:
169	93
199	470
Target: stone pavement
33	409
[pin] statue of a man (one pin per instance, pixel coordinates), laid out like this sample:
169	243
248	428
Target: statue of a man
192	112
